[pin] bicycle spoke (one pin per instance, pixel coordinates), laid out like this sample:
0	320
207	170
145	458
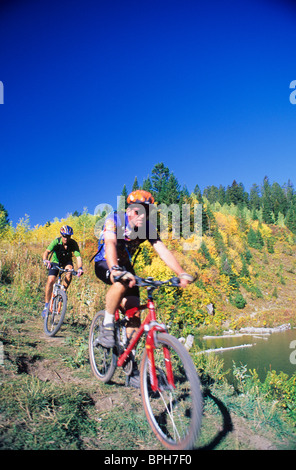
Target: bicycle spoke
170	414
102	359
173	413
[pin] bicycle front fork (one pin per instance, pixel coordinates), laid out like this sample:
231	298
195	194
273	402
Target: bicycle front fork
151	343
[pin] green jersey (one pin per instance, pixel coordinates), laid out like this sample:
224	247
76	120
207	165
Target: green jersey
62	254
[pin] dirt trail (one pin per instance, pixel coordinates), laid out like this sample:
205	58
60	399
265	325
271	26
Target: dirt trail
47	359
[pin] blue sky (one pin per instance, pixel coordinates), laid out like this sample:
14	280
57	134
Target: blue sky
97	92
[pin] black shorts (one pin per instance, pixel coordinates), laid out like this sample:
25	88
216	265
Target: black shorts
53	271
103	273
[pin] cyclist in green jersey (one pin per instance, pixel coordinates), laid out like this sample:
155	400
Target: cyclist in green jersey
62	250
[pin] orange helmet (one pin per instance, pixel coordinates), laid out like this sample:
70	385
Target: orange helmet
140	197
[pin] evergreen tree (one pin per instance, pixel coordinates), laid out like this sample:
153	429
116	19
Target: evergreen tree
252	239
290	220
4	221
147	185
197	192
267	210
160	177
135	185
254	199
289	191
235	194
124	194
221	195
172	191
211	193
278	200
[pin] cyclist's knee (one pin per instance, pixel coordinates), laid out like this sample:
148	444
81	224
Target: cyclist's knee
118	287
51	280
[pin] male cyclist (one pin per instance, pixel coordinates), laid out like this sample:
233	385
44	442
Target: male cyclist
122	234
62	250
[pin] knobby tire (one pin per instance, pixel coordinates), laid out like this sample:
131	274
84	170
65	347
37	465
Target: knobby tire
103	361
174	414
53	320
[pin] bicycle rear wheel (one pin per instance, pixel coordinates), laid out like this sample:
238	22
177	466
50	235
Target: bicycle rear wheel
55	313
174	414
103	361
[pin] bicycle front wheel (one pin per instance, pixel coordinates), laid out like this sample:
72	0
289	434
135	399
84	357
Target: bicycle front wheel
55	313
103	361
173	412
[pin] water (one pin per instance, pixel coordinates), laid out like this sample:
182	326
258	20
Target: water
272	352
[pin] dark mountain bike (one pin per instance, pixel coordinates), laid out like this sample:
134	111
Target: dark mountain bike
56	310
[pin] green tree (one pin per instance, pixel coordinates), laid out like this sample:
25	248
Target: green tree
160	177
254	199
135	184
122	203
4	220
147	185
235	194
173	190
221	195
290	219
211	193
197	192
278	200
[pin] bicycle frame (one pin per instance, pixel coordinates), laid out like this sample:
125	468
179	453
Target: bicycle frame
59	285
149	325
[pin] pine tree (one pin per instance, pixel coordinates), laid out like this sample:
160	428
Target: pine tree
135	185
197	192
124	194
4	221
147	185
290	220
160	176
254	200
267	210
173	190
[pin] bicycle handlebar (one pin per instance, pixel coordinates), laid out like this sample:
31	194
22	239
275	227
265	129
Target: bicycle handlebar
150	282
66	270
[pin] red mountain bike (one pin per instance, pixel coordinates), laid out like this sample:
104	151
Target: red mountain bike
170	386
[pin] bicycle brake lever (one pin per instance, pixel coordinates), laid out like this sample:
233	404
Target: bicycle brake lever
175	281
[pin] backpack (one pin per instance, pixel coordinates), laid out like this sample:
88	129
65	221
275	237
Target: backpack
121	228
102	233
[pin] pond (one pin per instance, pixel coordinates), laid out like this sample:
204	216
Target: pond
263	352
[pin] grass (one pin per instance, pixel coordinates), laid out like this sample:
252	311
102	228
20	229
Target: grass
49	400
45	416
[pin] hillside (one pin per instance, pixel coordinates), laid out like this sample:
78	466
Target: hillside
246	270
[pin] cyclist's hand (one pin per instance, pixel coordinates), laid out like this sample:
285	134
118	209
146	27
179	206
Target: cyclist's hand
130	278
124	276
80	272
185	279
47	263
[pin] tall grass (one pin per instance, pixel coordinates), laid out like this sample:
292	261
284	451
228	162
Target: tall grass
23	278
